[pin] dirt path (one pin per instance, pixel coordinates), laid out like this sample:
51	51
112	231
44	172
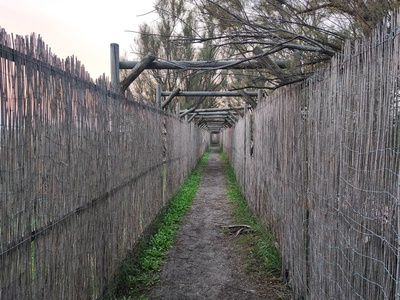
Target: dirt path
204	262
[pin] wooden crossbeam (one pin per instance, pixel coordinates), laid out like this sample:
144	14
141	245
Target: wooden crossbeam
232	119
210	94
187	111
137	70
236	110
219	109
202	65
170	97
270	64
213	116
233	116
192	117
248	98
214	119
216	113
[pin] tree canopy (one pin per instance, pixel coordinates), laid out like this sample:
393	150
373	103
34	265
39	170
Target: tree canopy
304	34
178	21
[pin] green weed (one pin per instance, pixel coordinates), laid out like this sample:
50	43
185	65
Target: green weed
262	257
141	267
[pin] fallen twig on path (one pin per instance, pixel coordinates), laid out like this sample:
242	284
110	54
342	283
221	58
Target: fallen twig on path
238	228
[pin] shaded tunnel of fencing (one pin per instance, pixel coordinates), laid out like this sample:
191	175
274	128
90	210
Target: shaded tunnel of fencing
83	172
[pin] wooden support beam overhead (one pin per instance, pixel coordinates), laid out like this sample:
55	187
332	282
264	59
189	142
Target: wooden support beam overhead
218	109
187	111
214	130
236	110
270	64
170	97
192	117
210	94
202	65
207	117
230	122
248	99
233	116
137	70
204	116
232	119
211	113
216	123
216	114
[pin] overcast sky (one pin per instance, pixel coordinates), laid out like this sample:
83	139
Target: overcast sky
83	28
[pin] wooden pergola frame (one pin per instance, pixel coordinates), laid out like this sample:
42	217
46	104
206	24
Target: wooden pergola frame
212	119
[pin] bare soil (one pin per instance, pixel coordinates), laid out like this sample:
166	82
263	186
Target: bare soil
205	262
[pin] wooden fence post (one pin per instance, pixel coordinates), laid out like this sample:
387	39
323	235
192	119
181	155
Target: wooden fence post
158	95
114	56
260	96
397	286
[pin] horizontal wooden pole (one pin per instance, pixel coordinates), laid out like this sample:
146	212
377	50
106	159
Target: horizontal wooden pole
202	65
211	113
218	123
209	94
199	110
213	117
238	111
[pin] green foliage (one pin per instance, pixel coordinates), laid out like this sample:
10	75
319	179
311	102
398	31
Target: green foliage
141	267
262	257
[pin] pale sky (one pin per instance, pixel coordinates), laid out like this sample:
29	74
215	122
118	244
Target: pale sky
83	28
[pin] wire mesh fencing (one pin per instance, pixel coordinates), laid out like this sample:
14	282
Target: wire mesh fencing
319	163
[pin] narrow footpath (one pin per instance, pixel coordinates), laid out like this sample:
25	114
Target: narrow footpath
205	262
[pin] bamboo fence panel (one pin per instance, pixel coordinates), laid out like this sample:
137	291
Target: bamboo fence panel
324	172
181	158
82	173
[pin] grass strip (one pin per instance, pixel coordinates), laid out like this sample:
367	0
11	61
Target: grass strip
141	267
262	258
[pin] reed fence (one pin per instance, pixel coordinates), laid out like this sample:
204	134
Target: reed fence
319	163
83	172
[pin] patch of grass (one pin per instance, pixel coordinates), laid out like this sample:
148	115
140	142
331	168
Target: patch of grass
140	269
262	258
